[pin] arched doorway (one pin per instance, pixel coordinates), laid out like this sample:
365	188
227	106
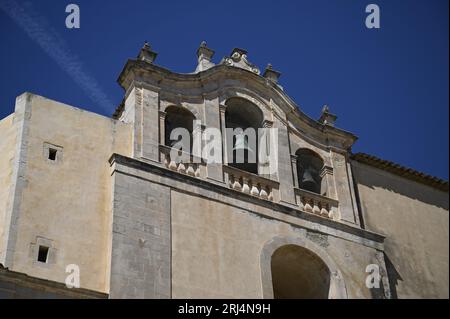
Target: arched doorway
295	267
297	273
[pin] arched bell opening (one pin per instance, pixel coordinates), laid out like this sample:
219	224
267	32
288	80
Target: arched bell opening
178	117
309	167
245	119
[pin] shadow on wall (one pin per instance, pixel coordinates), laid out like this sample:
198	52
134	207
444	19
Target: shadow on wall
401	250
393	276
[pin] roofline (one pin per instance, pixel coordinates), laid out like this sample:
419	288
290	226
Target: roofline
46	285
402	171
131	63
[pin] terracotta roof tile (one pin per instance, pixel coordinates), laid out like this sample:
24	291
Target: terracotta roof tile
402	171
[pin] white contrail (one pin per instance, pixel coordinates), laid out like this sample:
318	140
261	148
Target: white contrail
38	29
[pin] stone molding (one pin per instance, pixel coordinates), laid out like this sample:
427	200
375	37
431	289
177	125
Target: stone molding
195	85
214	191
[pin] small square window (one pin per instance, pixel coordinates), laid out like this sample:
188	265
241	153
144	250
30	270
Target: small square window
43	254
52	154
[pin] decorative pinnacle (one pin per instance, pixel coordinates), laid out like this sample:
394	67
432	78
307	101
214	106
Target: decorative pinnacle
271	74
203	52
146	54
326	117
204	56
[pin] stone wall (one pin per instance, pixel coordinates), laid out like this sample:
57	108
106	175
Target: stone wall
140	257
64	203
414	219
217	251
218	238
8	133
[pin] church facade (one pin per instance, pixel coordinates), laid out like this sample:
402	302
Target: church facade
107	205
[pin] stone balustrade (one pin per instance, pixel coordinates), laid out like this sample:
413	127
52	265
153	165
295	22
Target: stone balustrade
185	163
317	204
251	184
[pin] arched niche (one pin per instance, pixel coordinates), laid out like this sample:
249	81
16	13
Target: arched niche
322	279
298	273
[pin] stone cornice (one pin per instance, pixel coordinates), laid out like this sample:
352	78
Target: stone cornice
141	168
198	82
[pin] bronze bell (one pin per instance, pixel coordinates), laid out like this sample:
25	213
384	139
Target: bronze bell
241	143
308	182
172	143
241	147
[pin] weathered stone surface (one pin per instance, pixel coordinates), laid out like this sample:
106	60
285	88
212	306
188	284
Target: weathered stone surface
68	201
414	218
140	253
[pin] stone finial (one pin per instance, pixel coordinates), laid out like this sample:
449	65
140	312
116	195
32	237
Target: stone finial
203	52
237	53
147	54
271	74
204	56
238	58
326	117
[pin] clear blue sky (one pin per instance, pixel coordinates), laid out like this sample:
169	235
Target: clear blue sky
388	86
